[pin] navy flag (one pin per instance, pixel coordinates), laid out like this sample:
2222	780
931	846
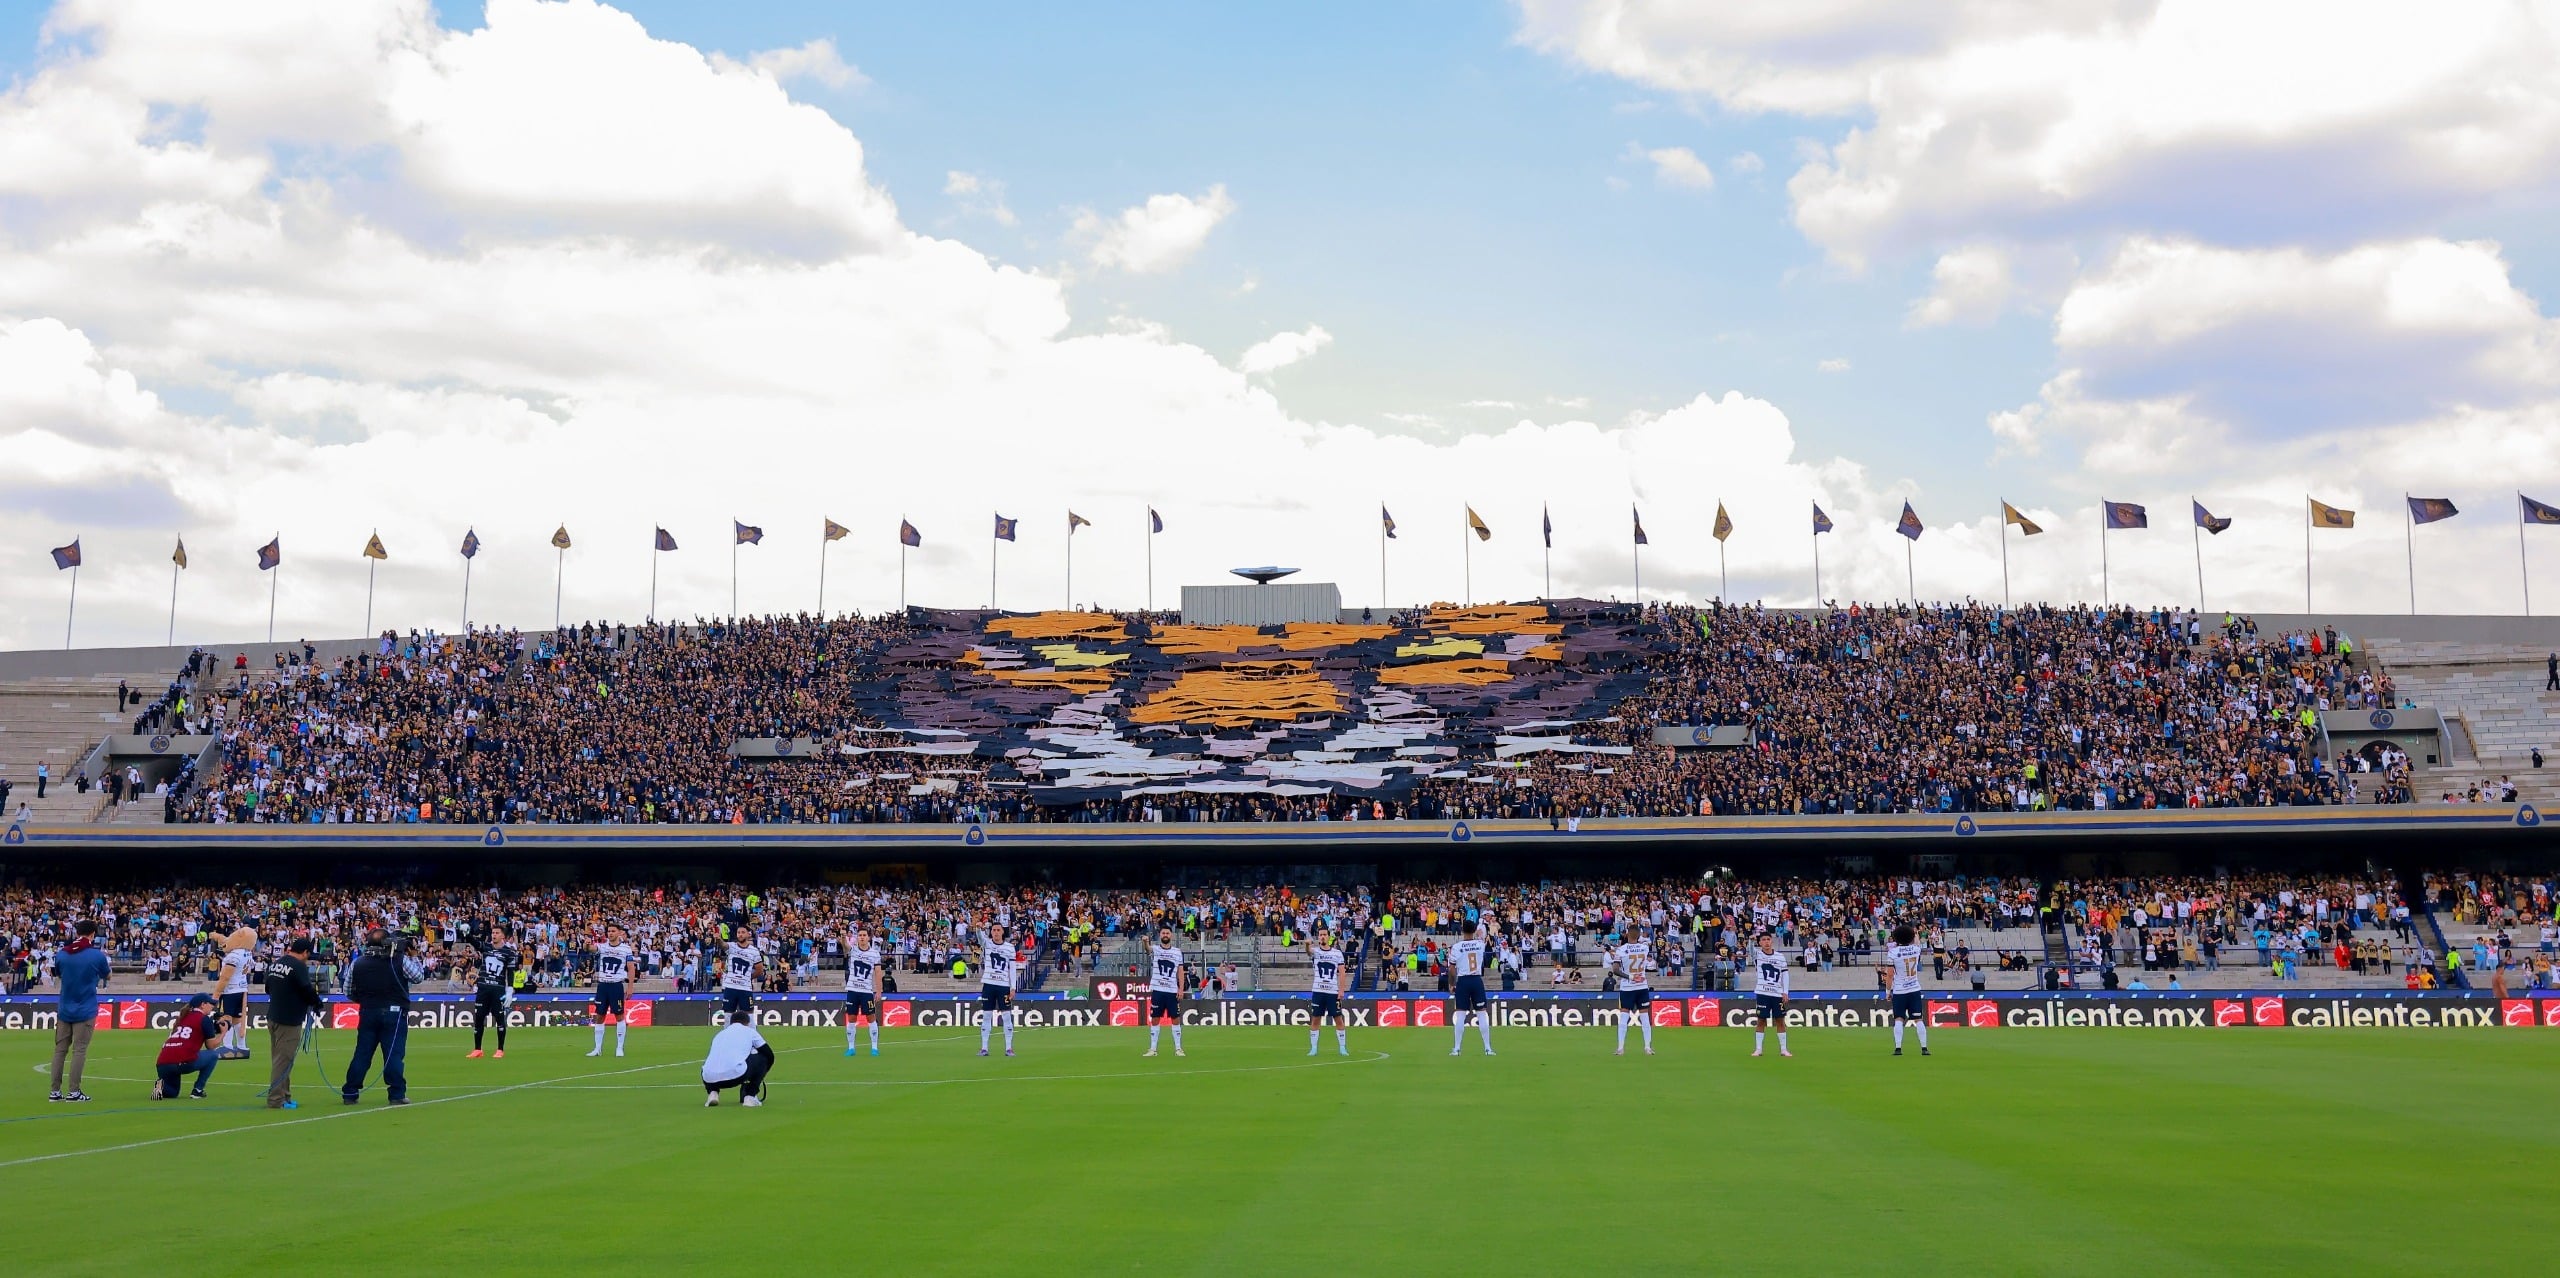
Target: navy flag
1386	521
2427	510
1724	523
1547	527
1005	527
666	540
1076	521
2324	515
1641	540
560	538
836	531
2538	512
2012	515
179	556
1475	524
373	548
67	556
1909	524
470	544
2207	520
271	554
1821	522
907	534
1155	522
748	534
2125	514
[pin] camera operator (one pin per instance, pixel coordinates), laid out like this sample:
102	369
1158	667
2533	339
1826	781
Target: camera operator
291	999
378	984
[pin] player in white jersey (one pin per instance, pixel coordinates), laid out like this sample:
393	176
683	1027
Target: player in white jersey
1902	960
1325	987
613	985
1165	970
239	960
1466	988
738	966
861	989
1769	983
1633	962
995	990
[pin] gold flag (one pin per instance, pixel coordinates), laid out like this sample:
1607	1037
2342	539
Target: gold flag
1724	523
180	557
1476	522
2009	515
2324	515
373	548
560	539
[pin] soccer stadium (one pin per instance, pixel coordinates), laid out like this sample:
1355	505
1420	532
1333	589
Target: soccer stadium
821	637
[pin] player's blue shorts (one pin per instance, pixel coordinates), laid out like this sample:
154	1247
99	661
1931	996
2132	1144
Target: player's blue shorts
1634	1000
995	998
608	999
858	1006
1773	1009
1910	1007
1469	993
1327	1005
737	1003
1163	1006
235	1005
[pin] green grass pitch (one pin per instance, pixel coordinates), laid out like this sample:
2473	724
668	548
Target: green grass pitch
2028	1152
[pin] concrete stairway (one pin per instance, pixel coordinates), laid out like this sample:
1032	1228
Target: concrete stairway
56	721
2492	696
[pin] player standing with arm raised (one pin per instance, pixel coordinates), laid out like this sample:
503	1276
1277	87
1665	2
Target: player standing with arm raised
861	990
1903	959
995	990
738	964
1325	987
1769	984
613	984
1466	986
1164	990
491	997
1634	963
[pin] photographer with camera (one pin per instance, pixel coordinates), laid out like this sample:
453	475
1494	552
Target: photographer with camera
190	1049
292	998
378	983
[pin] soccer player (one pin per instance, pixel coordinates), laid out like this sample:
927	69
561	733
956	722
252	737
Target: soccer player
861	989
613	976
239	962
1903	959
1466	971
492	995
738	966
1164	990
1633	962
1769	969
995	990
1325	987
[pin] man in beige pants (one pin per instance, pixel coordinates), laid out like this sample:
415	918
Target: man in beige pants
291	997
82	968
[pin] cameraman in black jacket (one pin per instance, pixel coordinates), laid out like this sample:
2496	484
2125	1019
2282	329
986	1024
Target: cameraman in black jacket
378	983
291	999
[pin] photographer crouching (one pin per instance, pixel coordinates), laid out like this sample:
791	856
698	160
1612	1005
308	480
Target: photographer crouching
378	983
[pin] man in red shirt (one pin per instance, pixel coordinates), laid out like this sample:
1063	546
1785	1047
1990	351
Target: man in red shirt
187	1051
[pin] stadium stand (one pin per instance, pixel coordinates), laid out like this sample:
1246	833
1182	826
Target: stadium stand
2497	712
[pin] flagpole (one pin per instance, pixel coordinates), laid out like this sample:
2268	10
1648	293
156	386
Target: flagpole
274	575
1910	575
2195	533
1467	553
992	551
1817	568
466	595
653	579
369	566
733	574
1151	559
1724	583
1382	557
1071	568
560	570
73	609
2306	553
2524	565
2004	553
2409	527
822	576
174	570
2106	589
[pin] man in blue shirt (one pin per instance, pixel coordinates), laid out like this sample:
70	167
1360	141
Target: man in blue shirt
82	967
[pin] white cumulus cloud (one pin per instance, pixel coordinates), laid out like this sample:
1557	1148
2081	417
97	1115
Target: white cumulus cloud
1156	236
817	60
1283	349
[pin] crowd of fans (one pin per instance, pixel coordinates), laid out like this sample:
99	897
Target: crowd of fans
1855	709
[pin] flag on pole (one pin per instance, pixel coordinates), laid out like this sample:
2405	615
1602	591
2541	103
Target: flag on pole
2427	510
1476	522
1724	523
836	531
2012	515
67	556
373	548
1821	522
2538	512
2210	522
1547	527
907	534
1005	527
748	534
560	538
666	540
470	544
1387	521
179	556
1639	518
1909	524
271	554
1155	522
1076	521
2324	515
2125	514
